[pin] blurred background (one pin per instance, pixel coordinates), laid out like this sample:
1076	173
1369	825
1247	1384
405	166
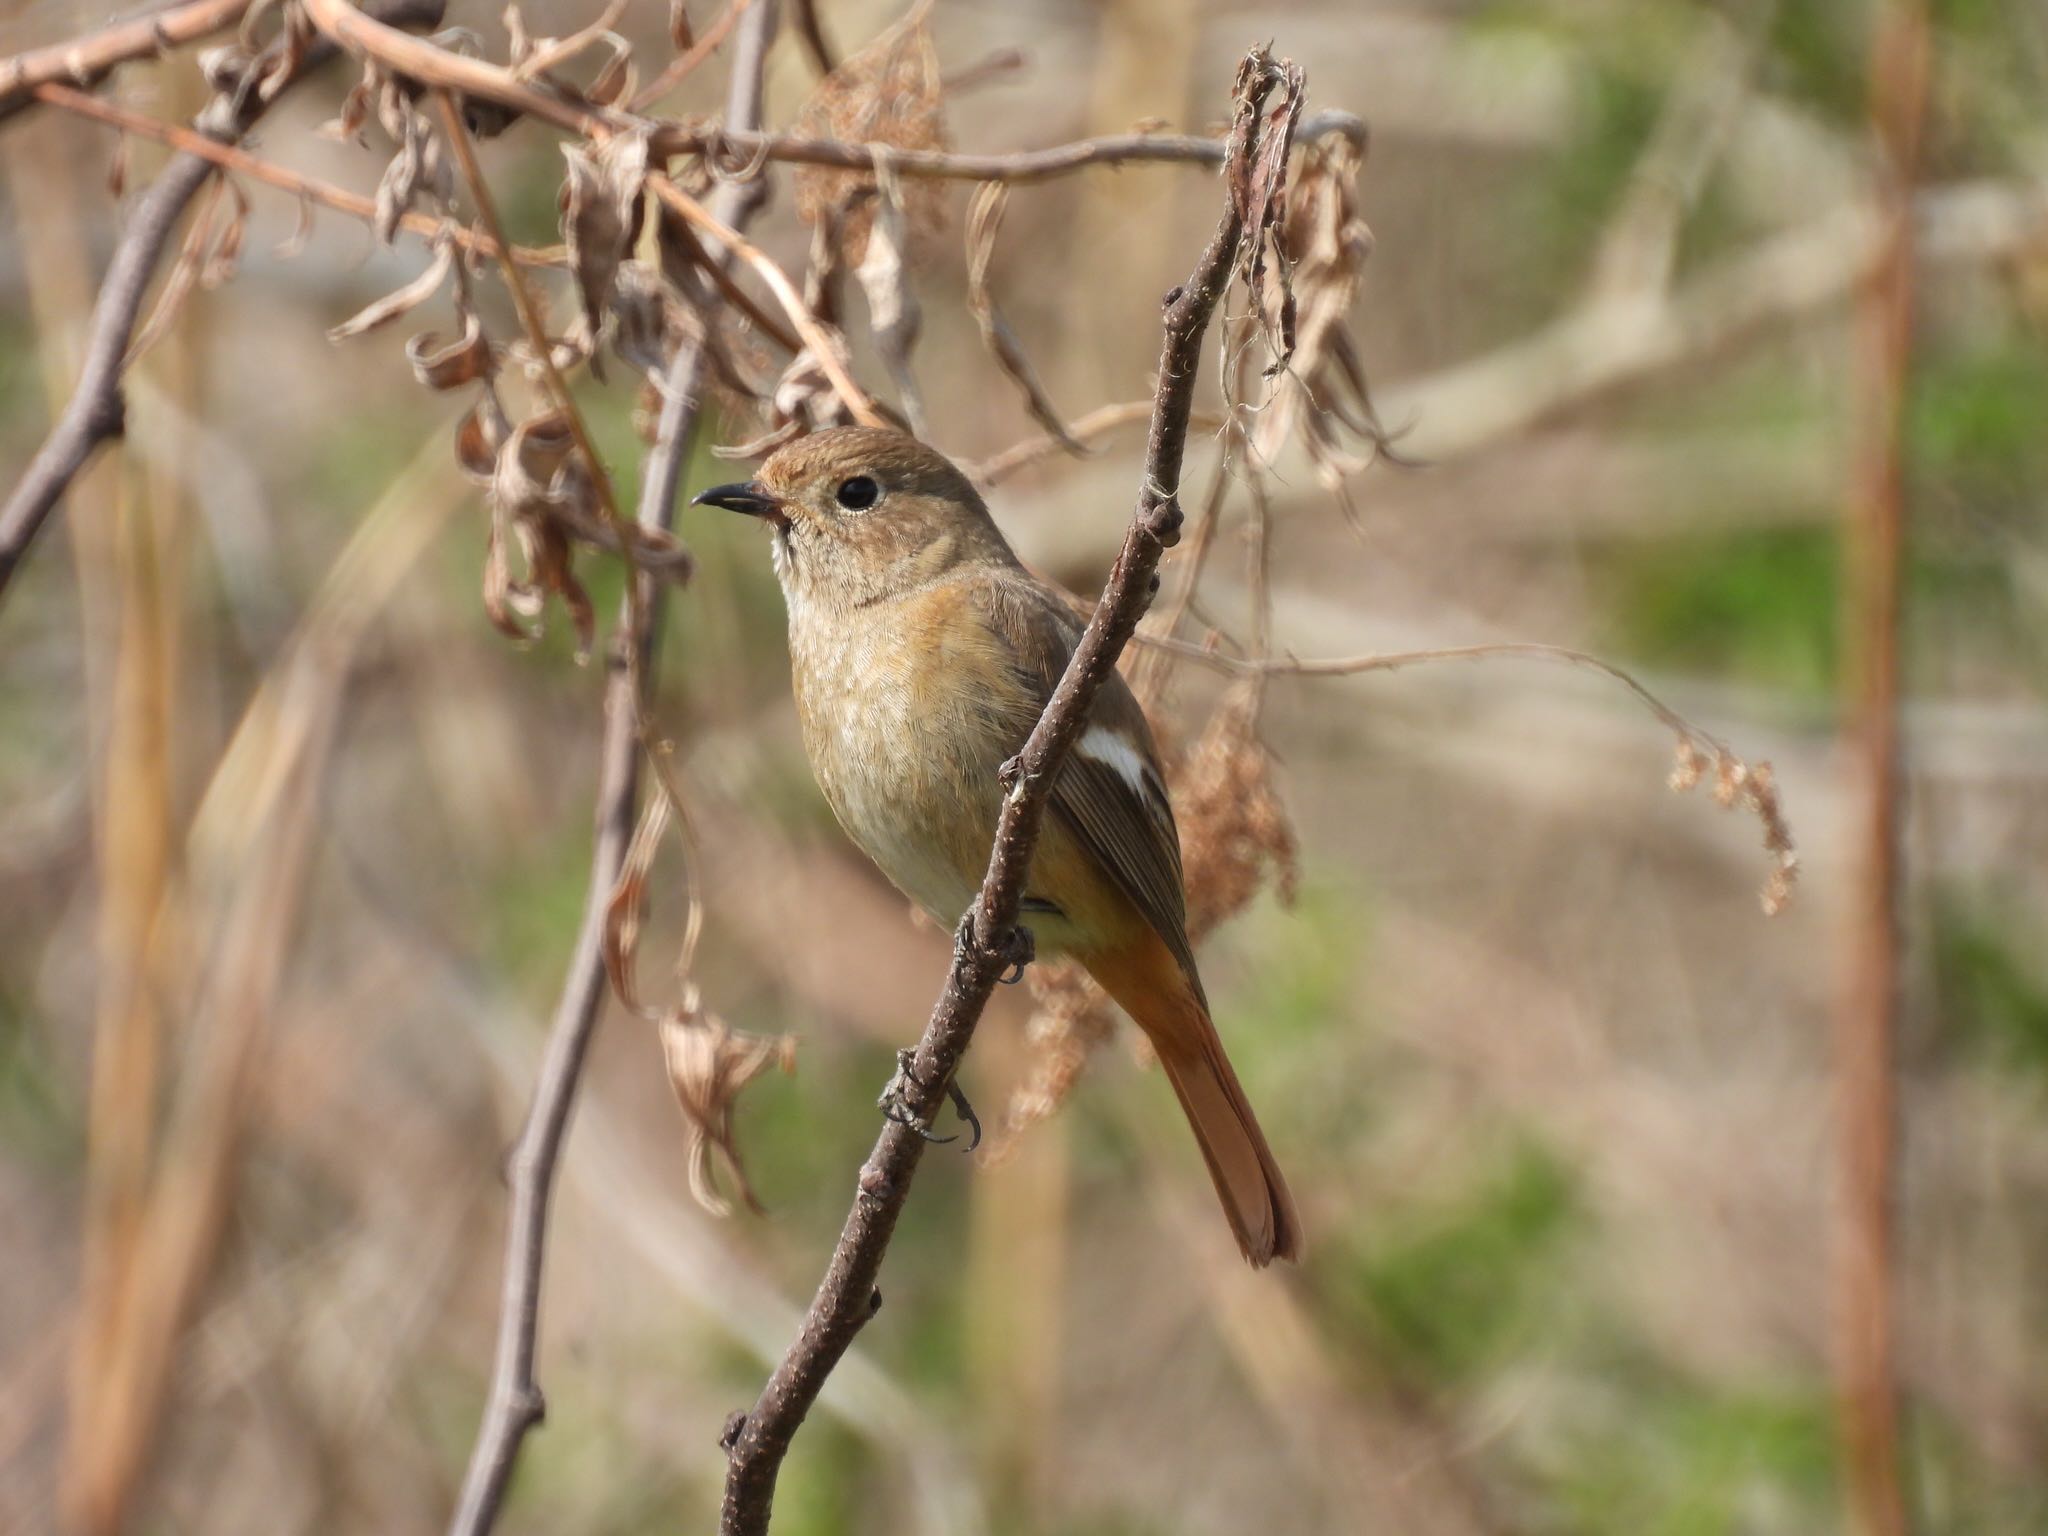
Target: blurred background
294	843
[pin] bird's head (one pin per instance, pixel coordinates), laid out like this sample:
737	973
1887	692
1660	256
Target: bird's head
861	514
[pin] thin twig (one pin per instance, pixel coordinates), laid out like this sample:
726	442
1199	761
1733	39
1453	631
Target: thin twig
683	63
758	1441
430	65
523	301
515	1404
822	344
95	412
1017	168
256	168
1393	661
87	60
1100	422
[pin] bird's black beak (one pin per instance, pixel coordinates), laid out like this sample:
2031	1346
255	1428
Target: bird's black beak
751	498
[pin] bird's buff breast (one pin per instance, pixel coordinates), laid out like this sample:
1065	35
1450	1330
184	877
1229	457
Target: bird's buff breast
902	721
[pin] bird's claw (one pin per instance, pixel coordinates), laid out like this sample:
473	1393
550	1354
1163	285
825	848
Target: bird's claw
1018	948
895	1106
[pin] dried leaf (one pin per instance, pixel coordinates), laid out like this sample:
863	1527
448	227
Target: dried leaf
1324	393
884	275
708	1064
117	168
537	485
1261	196
680	35
478	436
984	218
404	300
400	183
443	363
625	910
601	209
888	94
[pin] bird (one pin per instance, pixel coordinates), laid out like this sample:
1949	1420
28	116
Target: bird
922	653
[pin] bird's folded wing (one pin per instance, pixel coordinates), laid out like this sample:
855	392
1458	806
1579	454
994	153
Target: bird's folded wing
1110	794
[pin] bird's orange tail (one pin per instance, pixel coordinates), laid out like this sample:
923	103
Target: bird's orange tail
1151	988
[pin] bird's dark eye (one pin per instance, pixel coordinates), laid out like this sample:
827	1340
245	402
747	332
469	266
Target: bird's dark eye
859	493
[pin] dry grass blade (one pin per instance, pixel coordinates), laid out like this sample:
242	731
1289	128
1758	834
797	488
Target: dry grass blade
246	855
178	284
984	218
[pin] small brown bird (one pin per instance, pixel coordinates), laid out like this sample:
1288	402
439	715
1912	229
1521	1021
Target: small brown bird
923	654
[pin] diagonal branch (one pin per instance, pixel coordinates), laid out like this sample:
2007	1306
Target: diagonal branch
758	1441
515	1404
95	411
230	157
85	61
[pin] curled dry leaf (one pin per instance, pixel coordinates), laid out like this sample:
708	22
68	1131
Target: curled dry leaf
538	487
601	206
708	1062
884	274
403	300
441	362
1261	195
1325	393
347	125
888	94
418	170
984	218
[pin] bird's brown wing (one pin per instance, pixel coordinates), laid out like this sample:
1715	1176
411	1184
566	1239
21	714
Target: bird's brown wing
1113	801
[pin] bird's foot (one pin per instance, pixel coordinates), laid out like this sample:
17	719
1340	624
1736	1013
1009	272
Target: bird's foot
895	1104
1015	948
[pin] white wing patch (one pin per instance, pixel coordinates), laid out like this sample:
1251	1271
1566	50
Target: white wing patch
1113	751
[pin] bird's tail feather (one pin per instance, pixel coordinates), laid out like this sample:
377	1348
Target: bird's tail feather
1248	1181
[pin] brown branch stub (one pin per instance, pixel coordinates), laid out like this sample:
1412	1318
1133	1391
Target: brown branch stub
982	949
